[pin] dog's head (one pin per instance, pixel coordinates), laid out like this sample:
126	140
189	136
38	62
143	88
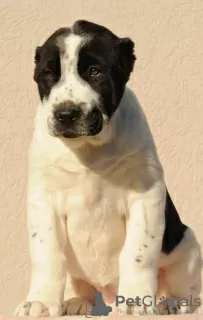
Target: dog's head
81	73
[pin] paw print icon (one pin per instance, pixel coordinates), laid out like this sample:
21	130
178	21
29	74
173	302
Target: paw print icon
100	309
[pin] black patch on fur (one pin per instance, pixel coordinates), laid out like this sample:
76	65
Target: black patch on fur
174	229
47	63
113	56
34	234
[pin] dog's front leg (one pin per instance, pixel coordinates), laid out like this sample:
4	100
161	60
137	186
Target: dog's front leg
139	259
46	232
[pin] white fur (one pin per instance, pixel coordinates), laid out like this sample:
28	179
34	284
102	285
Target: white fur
93	204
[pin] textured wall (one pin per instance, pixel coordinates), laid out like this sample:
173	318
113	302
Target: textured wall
168	80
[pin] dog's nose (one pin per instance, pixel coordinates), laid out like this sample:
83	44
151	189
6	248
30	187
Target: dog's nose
67	115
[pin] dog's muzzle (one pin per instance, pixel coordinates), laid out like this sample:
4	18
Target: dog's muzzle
71	120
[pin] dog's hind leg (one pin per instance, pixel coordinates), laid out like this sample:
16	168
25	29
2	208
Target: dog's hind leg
184	274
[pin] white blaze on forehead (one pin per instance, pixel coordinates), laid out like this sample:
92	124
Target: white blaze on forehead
71	86
70	58
73	43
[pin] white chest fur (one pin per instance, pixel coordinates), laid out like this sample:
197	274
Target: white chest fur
95	210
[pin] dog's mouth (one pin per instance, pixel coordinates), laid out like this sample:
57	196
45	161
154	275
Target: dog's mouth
57	132
72	135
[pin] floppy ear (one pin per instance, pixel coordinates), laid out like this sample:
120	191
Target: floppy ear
37	58
127	56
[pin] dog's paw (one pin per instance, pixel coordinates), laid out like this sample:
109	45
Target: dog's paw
136	298
77	306
37	309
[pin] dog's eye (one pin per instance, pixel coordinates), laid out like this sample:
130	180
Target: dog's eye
94	72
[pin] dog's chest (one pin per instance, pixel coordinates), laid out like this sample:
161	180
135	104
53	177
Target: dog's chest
96	236
95	225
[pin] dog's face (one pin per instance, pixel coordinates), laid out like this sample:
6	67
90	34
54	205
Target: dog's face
81	73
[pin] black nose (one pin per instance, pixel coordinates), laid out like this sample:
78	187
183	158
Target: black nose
67	115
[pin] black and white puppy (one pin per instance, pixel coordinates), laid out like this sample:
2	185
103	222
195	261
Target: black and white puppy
99	213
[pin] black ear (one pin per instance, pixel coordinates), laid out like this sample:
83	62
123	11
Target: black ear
37	59
127	56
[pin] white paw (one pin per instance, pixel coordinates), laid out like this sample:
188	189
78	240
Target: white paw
138	298
37	309
77	306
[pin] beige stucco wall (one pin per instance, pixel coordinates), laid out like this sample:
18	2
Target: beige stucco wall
168	80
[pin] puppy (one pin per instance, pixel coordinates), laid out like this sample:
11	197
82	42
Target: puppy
100	217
